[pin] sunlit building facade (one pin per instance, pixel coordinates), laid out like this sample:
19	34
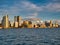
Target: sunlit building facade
17	19
5	22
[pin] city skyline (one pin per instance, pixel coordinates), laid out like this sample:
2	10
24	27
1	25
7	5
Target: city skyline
33	23
42	9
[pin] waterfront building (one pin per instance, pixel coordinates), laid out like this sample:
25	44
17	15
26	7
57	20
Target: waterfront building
47	24
30	24
5	22
56	25
17	19
0	26
51	24
38	25
25	24
35	26
12	24
43	25
16	24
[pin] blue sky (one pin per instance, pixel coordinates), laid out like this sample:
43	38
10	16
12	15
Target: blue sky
43	9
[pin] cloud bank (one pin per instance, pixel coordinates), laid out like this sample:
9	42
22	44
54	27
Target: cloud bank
30	10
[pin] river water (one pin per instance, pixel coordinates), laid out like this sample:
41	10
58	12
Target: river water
27	36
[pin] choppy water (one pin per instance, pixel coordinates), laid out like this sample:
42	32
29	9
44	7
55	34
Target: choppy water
30	36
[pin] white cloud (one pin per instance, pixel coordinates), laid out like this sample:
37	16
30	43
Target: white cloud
53	7
33	15
56	0
29	8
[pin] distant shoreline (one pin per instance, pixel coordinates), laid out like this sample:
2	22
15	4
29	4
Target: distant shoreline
28	28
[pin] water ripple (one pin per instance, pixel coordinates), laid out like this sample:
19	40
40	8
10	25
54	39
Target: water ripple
30	37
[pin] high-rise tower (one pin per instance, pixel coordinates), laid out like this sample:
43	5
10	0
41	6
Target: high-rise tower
17	19
5	22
